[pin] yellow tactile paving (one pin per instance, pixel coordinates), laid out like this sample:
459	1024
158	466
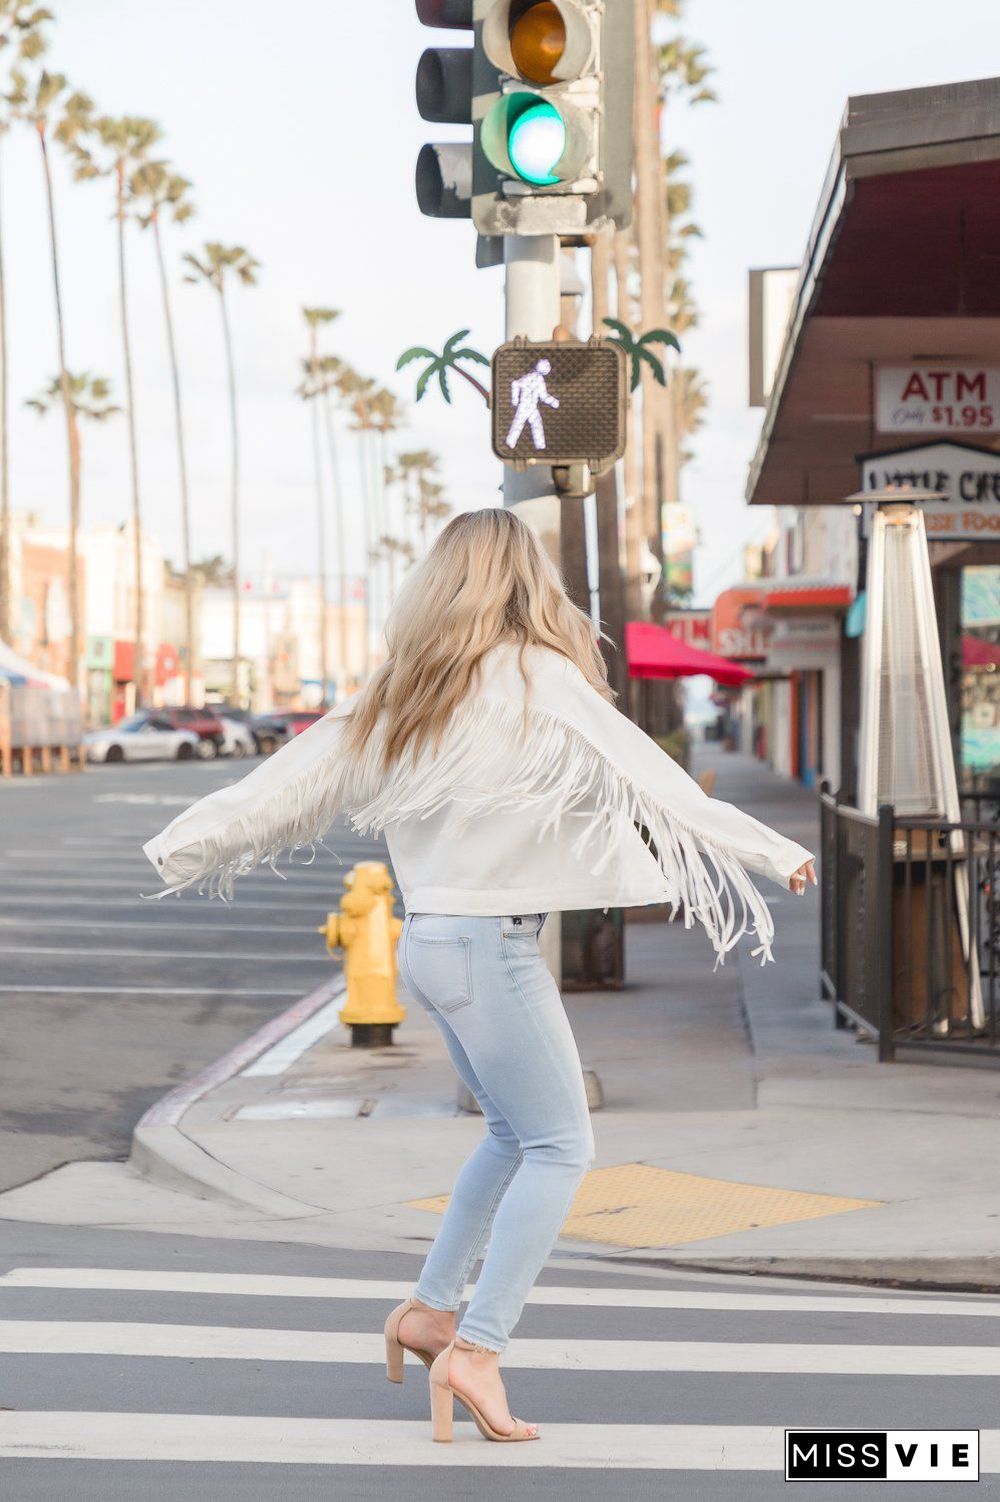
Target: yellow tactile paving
634	1204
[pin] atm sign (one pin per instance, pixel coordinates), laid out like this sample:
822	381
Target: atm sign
937	398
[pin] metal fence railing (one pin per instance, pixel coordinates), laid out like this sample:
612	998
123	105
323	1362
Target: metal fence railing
910	947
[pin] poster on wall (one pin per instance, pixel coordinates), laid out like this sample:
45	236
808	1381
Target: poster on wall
980	671
680	538
968	478
937	398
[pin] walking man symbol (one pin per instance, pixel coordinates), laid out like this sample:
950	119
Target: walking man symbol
525	395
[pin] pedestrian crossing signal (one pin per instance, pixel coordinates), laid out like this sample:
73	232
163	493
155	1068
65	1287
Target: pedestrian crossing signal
559	403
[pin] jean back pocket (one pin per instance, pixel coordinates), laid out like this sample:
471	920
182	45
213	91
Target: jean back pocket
442	969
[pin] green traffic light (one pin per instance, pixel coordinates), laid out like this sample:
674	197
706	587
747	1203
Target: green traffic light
536	142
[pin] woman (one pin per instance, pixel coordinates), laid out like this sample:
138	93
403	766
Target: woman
488	750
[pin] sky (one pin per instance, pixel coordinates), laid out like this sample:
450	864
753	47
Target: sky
298	129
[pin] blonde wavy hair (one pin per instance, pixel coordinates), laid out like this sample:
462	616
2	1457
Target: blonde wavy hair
486	580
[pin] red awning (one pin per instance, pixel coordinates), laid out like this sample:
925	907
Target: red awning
654	652
977	653
805	594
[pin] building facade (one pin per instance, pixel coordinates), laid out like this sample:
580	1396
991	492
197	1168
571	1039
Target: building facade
887	375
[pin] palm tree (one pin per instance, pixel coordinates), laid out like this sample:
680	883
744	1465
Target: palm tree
155	188
416	468
311	391
639	350
123	144
213	571
35	101
90	399
329	370
216	265
21	23
440	365
394	548
431	507
386	417
355	393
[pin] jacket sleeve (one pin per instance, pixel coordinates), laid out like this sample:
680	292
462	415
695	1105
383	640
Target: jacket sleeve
713	823
289	800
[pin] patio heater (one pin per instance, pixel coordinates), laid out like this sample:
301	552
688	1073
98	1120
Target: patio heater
905	753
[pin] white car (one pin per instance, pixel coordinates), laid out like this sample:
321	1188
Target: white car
239	739
141	737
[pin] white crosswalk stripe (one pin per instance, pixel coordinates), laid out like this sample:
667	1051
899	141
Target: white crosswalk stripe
270	1285
273	1438
229	1343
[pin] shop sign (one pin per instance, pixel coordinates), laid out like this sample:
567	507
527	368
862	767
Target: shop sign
937	398
100	652
692	626
968	477
738	627
803	641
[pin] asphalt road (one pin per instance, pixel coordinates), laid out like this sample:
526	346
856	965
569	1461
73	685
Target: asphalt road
108	1000
167	1367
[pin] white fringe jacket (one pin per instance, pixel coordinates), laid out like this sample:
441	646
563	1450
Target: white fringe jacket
537	800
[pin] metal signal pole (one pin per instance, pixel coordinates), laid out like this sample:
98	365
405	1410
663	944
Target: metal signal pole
531	302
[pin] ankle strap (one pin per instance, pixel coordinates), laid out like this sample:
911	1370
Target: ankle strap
471	1345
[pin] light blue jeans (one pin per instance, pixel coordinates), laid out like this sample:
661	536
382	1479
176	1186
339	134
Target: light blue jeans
485	983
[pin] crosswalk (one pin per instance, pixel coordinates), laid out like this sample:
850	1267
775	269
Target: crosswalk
672	1373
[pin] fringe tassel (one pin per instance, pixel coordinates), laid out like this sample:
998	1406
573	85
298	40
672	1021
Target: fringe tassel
494	757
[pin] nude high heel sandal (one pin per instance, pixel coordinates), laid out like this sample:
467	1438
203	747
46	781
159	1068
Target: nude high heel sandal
394	1347
443	1397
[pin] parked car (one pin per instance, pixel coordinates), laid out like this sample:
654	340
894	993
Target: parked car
203	721
146	736
239	738
280	725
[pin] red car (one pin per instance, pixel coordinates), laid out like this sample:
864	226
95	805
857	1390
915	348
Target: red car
203	722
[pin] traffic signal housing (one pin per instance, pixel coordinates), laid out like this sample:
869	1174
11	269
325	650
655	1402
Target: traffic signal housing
547	88
559	402
444	95
552	115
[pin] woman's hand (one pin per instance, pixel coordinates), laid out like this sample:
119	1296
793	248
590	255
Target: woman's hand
797	880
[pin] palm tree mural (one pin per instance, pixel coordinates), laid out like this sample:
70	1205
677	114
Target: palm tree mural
438	366
216	267
155	189
37	101
311	391
90	399
116	148
639	350
21	32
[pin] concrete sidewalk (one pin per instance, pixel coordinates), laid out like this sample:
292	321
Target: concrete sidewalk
740	1129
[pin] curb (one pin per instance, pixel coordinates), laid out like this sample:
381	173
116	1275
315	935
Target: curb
959	1274
164	1154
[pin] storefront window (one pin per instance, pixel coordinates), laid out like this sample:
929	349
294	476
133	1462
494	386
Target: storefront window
980	676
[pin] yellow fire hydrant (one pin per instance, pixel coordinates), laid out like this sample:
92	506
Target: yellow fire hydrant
366	930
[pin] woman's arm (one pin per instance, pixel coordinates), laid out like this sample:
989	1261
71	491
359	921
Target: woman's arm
290	799
713	822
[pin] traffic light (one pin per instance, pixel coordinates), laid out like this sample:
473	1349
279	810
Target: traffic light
444	95
547	87
559	402
552	115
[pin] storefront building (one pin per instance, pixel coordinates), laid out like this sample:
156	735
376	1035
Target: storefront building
889	373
